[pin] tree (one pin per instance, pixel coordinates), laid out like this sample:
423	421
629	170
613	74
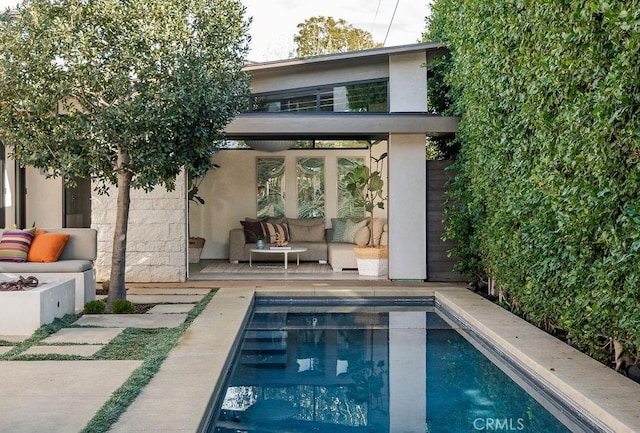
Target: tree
325	35
125	93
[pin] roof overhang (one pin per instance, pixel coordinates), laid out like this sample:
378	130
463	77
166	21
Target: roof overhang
369	56
337	125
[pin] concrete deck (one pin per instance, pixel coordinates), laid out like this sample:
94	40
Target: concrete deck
62	396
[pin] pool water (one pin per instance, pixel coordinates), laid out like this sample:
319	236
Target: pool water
369	369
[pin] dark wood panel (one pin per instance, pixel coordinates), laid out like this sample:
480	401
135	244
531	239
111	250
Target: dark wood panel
439	266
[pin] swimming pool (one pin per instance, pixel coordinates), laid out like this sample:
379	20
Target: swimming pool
380	366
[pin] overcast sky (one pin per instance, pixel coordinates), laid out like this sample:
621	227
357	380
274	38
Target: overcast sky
275	21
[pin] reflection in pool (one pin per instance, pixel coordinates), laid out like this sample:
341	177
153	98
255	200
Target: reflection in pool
369	369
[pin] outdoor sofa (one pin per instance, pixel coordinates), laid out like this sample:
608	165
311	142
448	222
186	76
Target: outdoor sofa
332	245
75	261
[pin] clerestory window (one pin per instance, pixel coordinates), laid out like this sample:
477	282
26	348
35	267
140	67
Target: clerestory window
360	97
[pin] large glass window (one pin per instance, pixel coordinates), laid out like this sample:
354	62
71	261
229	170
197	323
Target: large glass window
310	176
364	97
270	187
347	206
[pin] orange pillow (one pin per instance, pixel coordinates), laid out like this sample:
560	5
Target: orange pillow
47	247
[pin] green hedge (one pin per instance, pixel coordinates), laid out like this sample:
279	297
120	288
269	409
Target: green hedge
548	192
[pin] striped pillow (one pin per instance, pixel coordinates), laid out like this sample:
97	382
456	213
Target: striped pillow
272	230
15	244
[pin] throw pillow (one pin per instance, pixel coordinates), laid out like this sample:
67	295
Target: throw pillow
338	229
350	230
306	230
47	247
378	228
14	245
362	236
273	230
252	229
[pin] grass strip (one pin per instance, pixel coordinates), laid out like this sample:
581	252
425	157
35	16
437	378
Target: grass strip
151	347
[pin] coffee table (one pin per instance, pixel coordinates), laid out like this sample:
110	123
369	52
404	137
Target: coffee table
284	251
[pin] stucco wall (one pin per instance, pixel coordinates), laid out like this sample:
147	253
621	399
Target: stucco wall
408	83
156	240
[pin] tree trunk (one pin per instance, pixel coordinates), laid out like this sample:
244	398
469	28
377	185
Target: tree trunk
117	288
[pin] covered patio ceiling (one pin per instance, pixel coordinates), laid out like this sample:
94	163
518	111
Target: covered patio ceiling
314	125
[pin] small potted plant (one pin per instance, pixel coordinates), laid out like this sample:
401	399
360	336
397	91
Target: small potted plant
366	186
260	241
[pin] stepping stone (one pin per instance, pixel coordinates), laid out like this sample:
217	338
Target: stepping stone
85	350
171	308
14	338
164	299
84	335
57	396
5	349
167	291
146	321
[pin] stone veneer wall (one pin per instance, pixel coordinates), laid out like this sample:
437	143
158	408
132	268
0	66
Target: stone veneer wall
156	236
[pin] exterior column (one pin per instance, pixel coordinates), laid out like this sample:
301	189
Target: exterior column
407	207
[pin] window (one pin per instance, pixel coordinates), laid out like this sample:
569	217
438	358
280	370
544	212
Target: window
361	97
347	206
270	187
310	176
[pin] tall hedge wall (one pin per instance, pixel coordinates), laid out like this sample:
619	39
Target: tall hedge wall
548	196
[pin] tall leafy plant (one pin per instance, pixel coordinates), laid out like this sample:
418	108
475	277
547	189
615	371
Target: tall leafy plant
366	185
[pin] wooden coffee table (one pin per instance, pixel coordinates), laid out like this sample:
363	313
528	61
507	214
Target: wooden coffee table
286	253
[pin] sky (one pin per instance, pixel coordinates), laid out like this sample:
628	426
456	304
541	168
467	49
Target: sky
274	21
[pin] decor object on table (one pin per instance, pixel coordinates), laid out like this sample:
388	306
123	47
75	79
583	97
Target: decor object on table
260	242
19	284
366	185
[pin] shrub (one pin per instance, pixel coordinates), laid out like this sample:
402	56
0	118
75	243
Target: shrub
97	306
547	202
122	306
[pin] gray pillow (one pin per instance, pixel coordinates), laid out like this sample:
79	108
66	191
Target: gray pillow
311	230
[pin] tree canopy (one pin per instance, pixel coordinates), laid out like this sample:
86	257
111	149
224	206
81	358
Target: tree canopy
125	93
324	35
547	197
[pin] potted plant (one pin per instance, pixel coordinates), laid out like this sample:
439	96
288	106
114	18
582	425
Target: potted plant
196	244
366	186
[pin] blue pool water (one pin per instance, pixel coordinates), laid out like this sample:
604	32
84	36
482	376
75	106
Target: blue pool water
370	369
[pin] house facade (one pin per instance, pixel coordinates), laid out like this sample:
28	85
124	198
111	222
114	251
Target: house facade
377	95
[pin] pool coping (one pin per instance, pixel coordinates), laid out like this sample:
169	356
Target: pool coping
177	398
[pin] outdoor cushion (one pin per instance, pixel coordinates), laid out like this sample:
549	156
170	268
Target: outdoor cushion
338	229
351	229
252	230
301	230
47	247
272	231
362	236
14	245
